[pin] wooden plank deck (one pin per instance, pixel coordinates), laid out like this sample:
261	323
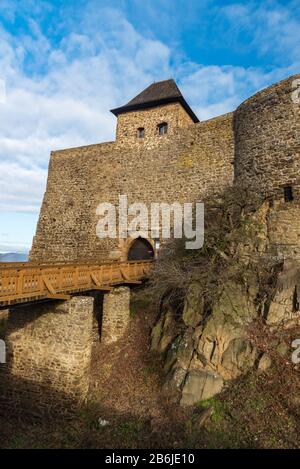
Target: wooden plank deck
29	282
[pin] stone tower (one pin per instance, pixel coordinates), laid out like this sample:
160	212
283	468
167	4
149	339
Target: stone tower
267	149
158	110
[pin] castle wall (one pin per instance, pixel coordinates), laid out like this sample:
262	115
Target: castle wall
260	141
267	140
185	167
283	223
267	156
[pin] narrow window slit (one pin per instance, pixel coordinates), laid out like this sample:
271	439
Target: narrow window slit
141	132
162	128
288	193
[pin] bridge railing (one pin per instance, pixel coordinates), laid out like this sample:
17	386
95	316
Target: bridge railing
25	283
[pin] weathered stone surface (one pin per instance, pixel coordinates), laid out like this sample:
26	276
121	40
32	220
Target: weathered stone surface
217	350
181	351
193	308
236	304
174	379
49	350
238	358
215	338
200	385
281	307
156	334
264	363
284	307
128	123
116	314
164	332
223	349
178	360
169	332
180	166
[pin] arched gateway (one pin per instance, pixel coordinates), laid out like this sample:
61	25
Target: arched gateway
140	249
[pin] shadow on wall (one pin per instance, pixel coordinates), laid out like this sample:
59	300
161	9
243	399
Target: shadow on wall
39	400
48	355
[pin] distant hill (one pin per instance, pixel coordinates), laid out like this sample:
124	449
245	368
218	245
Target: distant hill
13	257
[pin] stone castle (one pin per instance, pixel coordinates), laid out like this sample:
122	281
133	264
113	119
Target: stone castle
162	153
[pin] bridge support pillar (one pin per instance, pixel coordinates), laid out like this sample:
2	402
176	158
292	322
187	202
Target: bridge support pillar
48	356
116	314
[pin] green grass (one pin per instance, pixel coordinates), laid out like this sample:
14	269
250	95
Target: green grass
129	433
218	407
89	416
18	442
259	404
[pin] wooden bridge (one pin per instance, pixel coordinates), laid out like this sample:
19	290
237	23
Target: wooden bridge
29	282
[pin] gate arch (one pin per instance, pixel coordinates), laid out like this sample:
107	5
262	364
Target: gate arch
140	249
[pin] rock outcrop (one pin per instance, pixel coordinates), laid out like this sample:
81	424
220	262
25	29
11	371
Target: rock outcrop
206	347
210	351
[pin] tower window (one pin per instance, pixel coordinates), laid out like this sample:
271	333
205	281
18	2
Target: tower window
141	132
288	193
162	128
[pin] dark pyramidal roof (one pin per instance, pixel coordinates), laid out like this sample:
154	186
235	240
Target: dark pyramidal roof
157	94
156	91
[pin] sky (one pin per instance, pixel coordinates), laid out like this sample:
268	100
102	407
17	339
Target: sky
65	64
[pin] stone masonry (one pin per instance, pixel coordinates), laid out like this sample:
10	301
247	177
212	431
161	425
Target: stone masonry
149	119
184	167
267	151
48	356
116	314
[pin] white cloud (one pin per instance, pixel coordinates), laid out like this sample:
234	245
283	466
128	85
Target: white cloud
59	94
69	104
215	90
272	27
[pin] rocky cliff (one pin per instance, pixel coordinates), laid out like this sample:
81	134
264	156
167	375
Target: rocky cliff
208	342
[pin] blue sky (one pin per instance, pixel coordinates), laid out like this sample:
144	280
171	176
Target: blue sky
66	63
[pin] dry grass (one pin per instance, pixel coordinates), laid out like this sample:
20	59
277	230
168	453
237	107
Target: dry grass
257	411
125	390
